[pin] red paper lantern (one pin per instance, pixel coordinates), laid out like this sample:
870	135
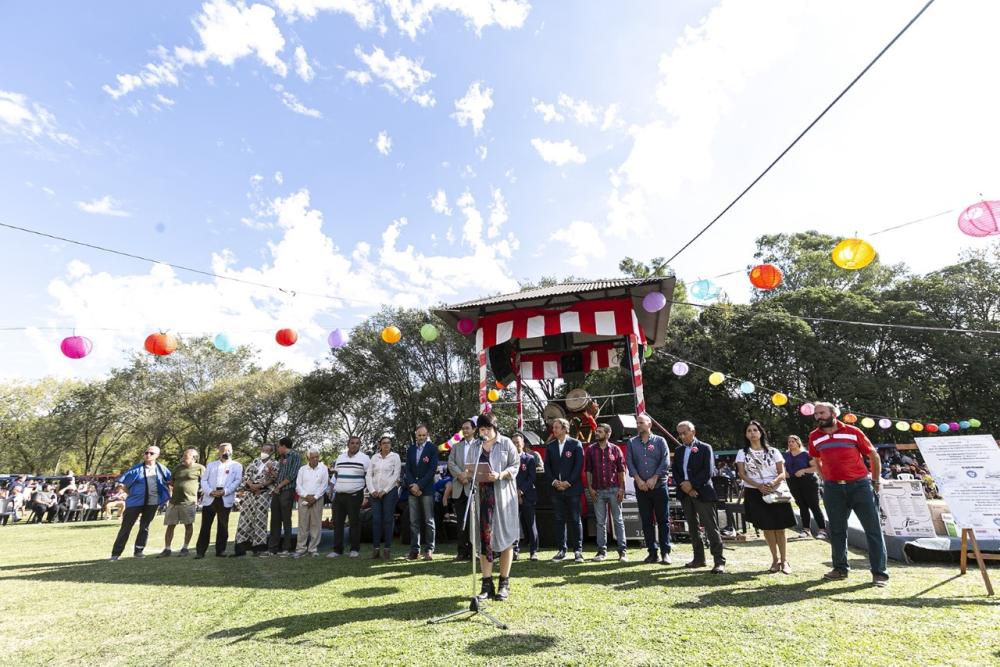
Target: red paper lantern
160	344
286	337
931	428
765	276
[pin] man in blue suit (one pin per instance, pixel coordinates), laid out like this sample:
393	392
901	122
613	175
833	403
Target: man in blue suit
564	463
421	463
694	464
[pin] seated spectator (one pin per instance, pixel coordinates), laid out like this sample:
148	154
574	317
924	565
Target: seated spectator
116	501
90	500
8	507
45	505
69	504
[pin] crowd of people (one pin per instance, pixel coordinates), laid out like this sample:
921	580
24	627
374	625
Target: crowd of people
504	478
37	501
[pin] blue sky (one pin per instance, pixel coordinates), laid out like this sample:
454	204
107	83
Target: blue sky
590	131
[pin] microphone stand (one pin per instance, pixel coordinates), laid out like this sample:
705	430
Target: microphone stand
476	606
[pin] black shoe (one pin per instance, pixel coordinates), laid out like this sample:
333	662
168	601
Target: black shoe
719	568
560	556
517	555
488	590
503	590
138	554
533	556
695	563
197	556
221	555
650	559
601	555
164	554
183	552
113	558
243	555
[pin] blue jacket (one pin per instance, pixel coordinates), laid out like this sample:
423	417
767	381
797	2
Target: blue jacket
526	478
701	465
134	480
566	468
421	464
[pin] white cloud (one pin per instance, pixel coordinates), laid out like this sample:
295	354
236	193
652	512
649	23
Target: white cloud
166	101
471	109
439	202
302	66
482	152
363	11
399	75
19	116
582	111
293	103
49	191
279	178
383	143
498	214
103	206
547	111
583	241
558	152
411	15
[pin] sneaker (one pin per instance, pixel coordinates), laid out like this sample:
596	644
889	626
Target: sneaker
183	552
429	555
113	558
533	556
283	554
821	535
333	554
695	563
267	554
880	580
298	554
666	559
578	557
560	556
353	554
164	554
413	555
728	532
804	533
622	557
835	575
314	554
138	555
600	556
650	559
199	556
719	568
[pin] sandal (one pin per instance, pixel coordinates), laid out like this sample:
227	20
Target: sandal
786	568
775	567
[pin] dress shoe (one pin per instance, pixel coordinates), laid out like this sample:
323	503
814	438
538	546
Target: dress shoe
719	569
650	559
695	563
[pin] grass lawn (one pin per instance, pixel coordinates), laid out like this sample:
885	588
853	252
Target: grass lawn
64	603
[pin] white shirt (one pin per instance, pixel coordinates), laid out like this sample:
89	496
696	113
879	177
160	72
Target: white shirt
312	481
383	473
222	473
760	466
562	443
216	476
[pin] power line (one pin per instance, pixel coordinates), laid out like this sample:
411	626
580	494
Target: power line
804	132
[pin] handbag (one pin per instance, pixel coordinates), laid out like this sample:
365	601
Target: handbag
782	494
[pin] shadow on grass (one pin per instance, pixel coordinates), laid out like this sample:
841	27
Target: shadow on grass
292	628
373	592
503	645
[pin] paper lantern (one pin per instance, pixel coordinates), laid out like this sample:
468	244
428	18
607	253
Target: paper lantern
499	384
853	254
884	423
493	395
336	339
849	418
391	334
716	378
868	422
222	343
76	347
765	276
964	424
916	427
807	409
654	302
680	369
647	352
902	426
975	423
747	387
429	332
779	399
982	219
286	337
704	290
953	426
488	408
944	428
931	428
160	344
465	326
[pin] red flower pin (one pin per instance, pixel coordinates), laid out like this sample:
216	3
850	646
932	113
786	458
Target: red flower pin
426	459
649	446
694	450
567	455
524	467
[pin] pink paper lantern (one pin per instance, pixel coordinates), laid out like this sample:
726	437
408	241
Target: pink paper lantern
807	409
466	326
76	347
982	219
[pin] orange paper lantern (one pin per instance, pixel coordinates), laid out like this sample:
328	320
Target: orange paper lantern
286	337
391	334
160	344
850	418
765	276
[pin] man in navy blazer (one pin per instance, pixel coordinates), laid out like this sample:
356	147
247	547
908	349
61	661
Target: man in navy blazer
421	463
563	465
694	464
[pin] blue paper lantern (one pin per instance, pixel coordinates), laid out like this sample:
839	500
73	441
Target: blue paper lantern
944	428
705	290
222	343
964	424
746	387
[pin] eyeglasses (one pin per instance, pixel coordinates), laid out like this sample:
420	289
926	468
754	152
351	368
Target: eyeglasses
150	453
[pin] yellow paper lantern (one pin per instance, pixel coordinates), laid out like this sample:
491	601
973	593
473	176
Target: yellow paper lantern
916	426
779	399
853	254
493	395
868	422
716	378
391	334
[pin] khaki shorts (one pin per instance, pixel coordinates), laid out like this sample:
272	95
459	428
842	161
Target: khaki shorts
180	514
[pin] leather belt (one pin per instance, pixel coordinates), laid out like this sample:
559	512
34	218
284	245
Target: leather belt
849	481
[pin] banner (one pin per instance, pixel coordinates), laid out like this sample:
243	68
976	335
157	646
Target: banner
903	509
966	469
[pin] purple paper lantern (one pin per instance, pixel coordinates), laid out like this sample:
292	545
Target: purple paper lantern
982	219
953	426
336	339
654	302
76	347
466	326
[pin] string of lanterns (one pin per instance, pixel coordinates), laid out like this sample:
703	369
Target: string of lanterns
779	399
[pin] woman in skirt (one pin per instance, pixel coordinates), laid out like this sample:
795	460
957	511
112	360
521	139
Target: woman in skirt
762	469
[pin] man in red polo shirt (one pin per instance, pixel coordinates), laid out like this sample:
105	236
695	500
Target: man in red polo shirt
838	449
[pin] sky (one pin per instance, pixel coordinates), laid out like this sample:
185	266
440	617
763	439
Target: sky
361	153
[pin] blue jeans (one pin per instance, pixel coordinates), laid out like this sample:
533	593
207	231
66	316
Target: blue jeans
609	498
566	505
655	505
383	518
841	500
421	516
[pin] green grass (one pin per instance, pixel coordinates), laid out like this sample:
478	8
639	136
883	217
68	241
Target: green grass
63	603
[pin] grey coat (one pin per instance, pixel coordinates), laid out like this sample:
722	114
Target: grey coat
456	466
505	461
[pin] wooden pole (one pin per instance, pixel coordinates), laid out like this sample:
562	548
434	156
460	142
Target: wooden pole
969	535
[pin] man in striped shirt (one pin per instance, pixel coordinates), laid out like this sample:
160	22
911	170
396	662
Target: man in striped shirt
349	470
282	499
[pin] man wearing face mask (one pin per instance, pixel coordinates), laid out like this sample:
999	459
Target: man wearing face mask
349	469
218	485
255	490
